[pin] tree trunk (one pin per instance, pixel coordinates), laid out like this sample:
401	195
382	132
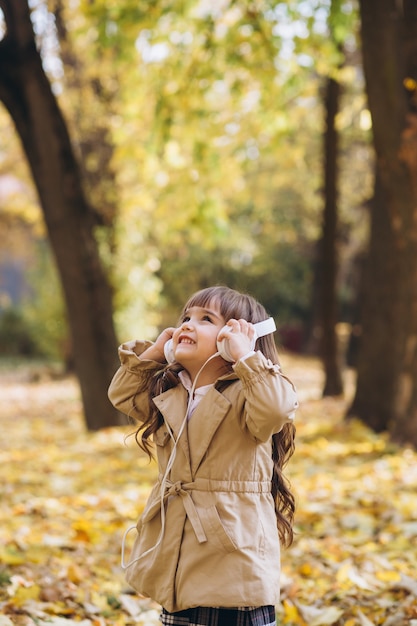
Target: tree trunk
404	426
386	395
328	261
26	93
93	140
379	354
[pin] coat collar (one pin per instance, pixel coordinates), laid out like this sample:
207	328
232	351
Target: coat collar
207	417
173	406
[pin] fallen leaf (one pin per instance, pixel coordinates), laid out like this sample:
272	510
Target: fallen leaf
68	495
364	621
323	616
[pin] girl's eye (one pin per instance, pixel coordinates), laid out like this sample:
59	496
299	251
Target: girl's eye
204	318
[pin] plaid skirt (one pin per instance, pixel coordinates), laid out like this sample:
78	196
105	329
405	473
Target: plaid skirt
206	616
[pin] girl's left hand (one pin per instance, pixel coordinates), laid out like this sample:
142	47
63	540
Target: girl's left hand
156	350
239	337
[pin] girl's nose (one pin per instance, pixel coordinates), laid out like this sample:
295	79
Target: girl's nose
186	325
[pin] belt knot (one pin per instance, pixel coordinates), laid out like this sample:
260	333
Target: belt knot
178	489
175	489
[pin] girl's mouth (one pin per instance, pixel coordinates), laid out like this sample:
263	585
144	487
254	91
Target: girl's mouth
185	340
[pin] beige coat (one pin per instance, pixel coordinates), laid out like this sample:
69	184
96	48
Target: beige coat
218	544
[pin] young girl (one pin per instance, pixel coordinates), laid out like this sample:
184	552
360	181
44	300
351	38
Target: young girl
208	542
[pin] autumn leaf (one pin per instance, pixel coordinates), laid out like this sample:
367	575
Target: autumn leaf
324	616
68	496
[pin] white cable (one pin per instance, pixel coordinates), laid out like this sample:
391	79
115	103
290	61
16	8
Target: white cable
166	473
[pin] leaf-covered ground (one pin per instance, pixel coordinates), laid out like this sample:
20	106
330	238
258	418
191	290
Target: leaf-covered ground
67	497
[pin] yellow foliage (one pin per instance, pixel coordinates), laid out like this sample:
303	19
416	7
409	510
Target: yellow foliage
388	576
11	556
291	614
25	594
72	494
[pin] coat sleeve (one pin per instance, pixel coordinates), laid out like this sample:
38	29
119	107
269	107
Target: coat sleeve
270	397
126	390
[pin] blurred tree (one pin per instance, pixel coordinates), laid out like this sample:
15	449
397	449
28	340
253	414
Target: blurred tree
27	95
386	394
209	120
90	90
234	128
328	257
328	261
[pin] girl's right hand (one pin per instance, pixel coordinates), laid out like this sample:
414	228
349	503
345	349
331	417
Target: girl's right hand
156	351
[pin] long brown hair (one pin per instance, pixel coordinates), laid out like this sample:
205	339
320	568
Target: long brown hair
232	304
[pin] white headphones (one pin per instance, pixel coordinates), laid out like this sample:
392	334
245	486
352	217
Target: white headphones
261	328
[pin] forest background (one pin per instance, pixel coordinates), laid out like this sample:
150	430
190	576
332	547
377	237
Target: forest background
199	131
173	147
150	149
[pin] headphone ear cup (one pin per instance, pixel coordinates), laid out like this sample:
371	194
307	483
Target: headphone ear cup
222	349
169	351
223	346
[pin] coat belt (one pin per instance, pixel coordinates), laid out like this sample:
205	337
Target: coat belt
234	486
182	490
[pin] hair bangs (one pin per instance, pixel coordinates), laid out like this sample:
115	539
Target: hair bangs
231	304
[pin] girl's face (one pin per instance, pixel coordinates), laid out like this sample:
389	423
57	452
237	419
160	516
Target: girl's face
195	340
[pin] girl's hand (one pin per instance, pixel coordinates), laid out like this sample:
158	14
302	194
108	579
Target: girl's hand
156	351
239	337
